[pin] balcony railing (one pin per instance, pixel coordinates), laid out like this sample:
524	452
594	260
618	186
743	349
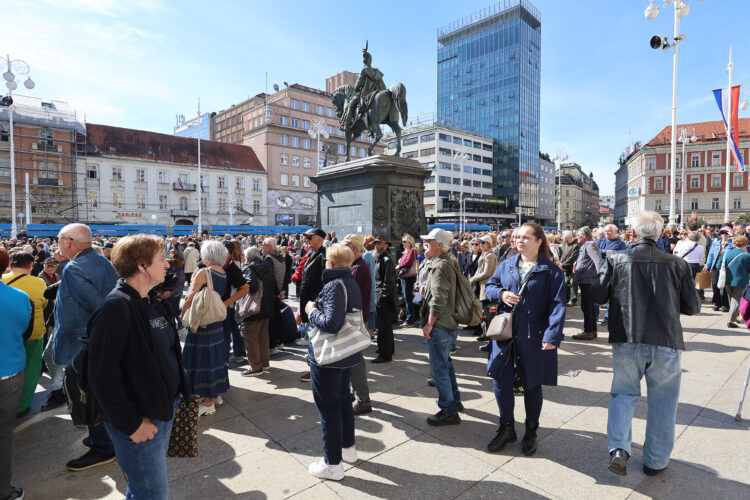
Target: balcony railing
183	213
187	187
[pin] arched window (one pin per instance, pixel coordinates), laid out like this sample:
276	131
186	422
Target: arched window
183	203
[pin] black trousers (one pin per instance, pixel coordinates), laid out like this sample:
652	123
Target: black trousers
384	321
721	298
274	324
587	308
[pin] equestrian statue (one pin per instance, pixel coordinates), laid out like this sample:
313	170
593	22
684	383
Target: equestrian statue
369	104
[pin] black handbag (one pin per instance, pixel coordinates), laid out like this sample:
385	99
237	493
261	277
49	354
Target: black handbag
83	408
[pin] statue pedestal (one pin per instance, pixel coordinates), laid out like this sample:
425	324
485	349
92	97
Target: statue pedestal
374	195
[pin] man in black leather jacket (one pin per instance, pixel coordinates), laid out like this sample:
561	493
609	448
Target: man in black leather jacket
311	282
385	298
647	290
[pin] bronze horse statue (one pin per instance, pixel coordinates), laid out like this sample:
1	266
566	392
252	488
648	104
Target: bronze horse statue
385	108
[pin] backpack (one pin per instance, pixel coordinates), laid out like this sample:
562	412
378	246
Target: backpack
468	308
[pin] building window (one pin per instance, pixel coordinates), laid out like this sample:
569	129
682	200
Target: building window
163	177
657	205
319	110
295	180
204	182
658	183
320	163
339	132
737	203
284	179
306	162
737	180
256	184
306	181
678	184
694	204
716	181
283	120
223	206
295	104
284	159
714	203
163	202
677	161
342	149
294	122
695	160
46	141
284	140
329	112
256	206
221	182
305	125
93	199
650	162
239	204
695	181
330	130
140	175
240	183
117	200
354	151
716	159
295	142
306	144
295	161
362	152
306	107
116	173
140	200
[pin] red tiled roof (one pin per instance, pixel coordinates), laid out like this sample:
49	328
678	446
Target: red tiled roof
706	132
133	143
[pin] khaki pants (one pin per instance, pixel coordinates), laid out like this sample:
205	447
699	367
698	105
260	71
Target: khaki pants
255	334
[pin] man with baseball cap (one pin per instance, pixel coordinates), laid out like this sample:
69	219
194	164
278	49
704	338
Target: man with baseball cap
311	282
363	278
440	326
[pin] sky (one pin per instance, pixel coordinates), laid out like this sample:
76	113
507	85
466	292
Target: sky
138	63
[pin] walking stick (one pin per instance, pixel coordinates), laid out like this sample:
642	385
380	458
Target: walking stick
738	417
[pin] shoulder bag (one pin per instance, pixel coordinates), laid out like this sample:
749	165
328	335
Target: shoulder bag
722	281
352	338
206	307
249	305
501	326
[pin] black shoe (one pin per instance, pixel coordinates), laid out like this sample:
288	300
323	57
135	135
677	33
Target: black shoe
483	338
382	359
732	324
651	472
618	461
716	308
725	309
442	418
528	443
460	406
55	399
486	348
585	336
430	382
90	460
506	433
604	322
15	493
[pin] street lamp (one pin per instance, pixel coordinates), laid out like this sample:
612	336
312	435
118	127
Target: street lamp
460	152
681	9
687	135
318	128
13	67
560	156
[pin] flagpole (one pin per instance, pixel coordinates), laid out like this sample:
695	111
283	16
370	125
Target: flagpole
728	114
200	179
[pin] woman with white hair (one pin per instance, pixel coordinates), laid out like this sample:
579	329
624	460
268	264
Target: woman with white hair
205	353
587	268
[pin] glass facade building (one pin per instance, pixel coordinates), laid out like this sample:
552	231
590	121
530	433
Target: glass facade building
488	73
202	127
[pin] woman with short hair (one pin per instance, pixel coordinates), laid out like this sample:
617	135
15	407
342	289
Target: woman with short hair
205	351
737	277
135	366
330	383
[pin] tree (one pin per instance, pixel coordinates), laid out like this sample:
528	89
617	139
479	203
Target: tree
744	219
545	156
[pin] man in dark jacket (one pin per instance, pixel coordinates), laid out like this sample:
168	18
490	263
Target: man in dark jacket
502	249
385	298
568	258
311	282
647	291
277	264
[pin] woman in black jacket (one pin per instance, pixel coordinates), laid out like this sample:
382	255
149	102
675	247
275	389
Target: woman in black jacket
135	366
255	327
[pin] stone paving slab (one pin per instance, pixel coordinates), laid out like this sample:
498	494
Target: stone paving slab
259	444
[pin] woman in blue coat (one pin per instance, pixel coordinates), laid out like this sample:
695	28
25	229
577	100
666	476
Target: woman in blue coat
537	332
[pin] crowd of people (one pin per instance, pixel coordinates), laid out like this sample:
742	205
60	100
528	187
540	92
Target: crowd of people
125	299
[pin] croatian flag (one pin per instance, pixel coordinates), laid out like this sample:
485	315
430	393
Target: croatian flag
182	186
202	186
731	120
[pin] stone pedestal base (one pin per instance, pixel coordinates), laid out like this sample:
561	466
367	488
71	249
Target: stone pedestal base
379	194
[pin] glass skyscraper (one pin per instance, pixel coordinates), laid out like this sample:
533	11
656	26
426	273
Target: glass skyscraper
199	127
488	83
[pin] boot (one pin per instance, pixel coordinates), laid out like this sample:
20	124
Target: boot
528	445
506	433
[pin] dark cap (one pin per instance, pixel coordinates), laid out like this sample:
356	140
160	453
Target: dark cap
383	238
108	245
316	231
50	260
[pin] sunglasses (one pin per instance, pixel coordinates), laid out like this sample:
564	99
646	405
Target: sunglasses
308	237
475	244
504	236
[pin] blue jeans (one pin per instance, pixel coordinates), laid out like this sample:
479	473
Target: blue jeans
330	388
407	287
232	331
441	369
144	464
661	366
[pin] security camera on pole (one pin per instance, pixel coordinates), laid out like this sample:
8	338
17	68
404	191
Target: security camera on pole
681	9
13	68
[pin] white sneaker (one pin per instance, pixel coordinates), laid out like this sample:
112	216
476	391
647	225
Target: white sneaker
349	455
324	471
206	410
218	400
302	341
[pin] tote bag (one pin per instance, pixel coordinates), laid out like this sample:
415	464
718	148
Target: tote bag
206	307
352	338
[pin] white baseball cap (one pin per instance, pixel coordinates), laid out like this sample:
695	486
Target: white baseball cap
439	235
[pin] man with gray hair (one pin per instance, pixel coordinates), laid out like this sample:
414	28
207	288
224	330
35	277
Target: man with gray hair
568	258
440	326
647	290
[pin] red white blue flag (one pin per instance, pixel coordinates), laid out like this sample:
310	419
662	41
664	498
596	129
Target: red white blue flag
182	186
731	121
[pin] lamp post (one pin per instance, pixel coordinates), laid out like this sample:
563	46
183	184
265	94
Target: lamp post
681	9
13	67
687	135
200	179
318	128
460	153
559	157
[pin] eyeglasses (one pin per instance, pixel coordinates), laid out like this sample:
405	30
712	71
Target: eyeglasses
308	236
504	236
475	244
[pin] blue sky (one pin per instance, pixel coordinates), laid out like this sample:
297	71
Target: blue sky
138	63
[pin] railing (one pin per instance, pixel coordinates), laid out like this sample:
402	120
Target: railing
185	186
183	213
